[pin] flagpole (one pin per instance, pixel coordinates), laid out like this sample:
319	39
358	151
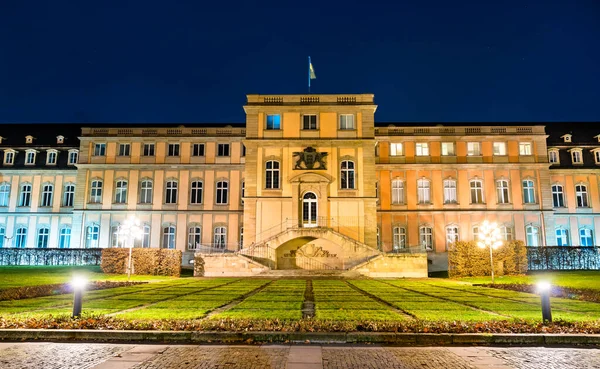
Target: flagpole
309	74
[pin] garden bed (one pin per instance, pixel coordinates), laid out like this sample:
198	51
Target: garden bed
583	294
26	292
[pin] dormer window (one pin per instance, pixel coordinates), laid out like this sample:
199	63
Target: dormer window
9	157
597	137
576	156
596	153
30	157
73	155
553	157
51	157
566	138
1	138
60	139
28	139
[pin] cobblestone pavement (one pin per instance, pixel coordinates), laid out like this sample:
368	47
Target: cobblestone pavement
109	356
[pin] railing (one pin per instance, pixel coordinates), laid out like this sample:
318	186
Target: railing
166	131
305	262
212	248
408	250
453	131
260	253
563	258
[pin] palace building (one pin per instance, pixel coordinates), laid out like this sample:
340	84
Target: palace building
306	174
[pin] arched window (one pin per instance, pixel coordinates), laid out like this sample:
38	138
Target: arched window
502	191
272	174
426	237
586	237
528	192
146	191
42	238
558	196
168	237
47	192
399	238
222	193
423	191
194	237
4	193
347	175
21	237
581	195
196	192
68	195
121	191
2	236
171	192
92	236
476	191
220	237
450	191
533	235
562	237
397	191
309	210
96	191
451	235
64	238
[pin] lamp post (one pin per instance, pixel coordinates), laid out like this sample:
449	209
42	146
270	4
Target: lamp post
544	291
130	230
78	284
490	236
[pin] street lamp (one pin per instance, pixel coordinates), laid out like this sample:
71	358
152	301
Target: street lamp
544	291
78	284
130	230
490	236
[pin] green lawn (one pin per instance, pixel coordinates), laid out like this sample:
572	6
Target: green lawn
573	279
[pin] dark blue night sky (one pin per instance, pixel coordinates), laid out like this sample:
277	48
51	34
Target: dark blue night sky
194	61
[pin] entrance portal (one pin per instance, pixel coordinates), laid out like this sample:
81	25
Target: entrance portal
309	210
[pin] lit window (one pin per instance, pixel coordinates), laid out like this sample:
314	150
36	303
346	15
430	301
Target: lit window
473	149
451	235
347	175
173	149
448	149
582	196
500	148
121	192
396	149
220	237
21	237
198	149
222	193
450	191
397	192
42	238
146	236
116	238
525	148
30	157
171	192
422	149
576	156
223	150
423	191
528	192
562	237
148	149
196	192
51	157
4	193
2	236
507	233
92	236
272	174
476	192
100	149
96	191
194	237
558	196
426	237
586	237
346	121
68	195
25	195
47	191
168	237
309	121
502	191
64	238
146	191
399	238
124	149
532	235
475	232
274	121
553	157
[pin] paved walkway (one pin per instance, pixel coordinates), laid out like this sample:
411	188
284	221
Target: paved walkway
110	356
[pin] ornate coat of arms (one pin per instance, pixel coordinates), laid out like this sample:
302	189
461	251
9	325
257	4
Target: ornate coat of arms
310	159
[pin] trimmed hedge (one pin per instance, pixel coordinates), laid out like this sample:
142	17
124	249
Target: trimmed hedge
145	261
466	259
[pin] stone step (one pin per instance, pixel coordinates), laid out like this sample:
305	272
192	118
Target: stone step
310	273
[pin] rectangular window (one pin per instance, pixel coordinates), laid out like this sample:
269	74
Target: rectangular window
273	121
502	191
450	191
426	237
576	157
525	148
47	191
422	149
9	157
448	149
500	148
597	156
396	149
68	195
528	192
100	149
558	196
553	157
198	150
30	158
124	149
309	121
222	149
173	150
473	149
399	238
562	237
73	157
148	149
346	121
51	157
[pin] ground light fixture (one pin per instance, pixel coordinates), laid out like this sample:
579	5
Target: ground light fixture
130	230
490	236
543	288
78	284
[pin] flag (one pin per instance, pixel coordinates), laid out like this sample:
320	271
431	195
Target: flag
311	70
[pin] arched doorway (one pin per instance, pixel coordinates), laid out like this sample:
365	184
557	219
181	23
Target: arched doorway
309	210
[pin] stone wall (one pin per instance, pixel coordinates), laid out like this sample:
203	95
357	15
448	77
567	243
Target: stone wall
395	266
226	265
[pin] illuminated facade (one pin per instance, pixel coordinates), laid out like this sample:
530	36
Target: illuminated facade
306	170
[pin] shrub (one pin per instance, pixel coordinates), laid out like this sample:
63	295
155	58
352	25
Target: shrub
144	261
466	259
